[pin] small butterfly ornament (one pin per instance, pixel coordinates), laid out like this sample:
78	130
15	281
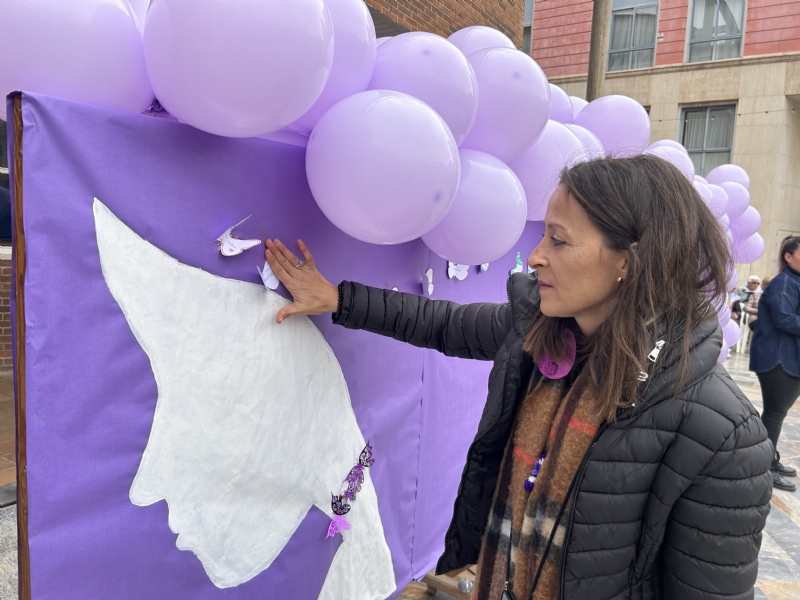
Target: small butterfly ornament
351	486
460	272
231	246
268	277
427	282
484	267
519	267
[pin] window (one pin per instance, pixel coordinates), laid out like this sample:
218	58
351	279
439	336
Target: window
708	136
632	41
716	29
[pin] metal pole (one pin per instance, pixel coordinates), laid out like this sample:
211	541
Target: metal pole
598	48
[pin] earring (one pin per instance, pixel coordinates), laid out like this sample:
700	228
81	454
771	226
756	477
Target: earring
619	279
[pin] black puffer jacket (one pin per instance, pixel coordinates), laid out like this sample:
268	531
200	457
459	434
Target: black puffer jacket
671	497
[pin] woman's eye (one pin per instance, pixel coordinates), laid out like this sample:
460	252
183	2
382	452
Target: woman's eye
556	241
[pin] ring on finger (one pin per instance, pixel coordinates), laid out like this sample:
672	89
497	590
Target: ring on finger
300	265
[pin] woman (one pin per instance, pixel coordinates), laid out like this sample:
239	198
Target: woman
751	308
775	351
622	460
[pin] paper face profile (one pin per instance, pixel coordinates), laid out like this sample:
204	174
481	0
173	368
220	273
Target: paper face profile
253	423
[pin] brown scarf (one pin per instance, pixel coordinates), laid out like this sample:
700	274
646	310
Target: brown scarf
561	421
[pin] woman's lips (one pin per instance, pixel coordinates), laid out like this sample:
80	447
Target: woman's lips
545	286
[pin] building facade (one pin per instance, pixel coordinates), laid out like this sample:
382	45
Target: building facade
720	76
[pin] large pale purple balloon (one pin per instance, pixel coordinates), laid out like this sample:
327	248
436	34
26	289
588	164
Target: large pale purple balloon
719	202
578	104
560	106
428	67
726	173
620	123
731	333
382	40
704	191
724	316
738	199
88	51
669	144
478	37
383	166
591	145
677	158
539	168
725	221
354	49
513	103
748	249
746	224
238	69
487	216
700	179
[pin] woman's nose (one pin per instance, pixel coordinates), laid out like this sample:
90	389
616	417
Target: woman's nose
537	259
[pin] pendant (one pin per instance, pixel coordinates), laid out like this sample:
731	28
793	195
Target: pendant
508	595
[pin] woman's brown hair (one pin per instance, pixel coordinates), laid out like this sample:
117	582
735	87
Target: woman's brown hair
679	266
789	245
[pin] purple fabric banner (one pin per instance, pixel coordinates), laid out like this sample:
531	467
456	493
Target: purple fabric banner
91	392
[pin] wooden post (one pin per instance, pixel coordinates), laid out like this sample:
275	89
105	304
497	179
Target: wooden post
598	49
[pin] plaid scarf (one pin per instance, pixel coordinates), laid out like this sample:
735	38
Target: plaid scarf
562	421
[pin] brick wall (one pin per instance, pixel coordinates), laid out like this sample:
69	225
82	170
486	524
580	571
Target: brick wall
772	26
5	316
672	17
444	17
561	33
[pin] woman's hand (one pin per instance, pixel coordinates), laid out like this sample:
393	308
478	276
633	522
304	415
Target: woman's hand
312	293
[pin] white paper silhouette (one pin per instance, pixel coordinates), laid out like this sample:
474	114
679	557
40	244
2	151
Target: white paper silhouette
458	271
268	277
427	282
253	423
231	246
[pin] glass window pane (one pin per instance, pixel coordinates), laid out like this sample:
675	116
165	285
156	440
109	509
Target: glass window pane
703	13
642	59
618	61
728	48
697	159
729	19
644	29
720	128
713	160
694	129
621	26
701	51
617	4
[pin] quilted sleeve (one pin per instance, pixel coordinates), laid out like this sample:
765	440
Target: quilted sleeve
466	331
714	530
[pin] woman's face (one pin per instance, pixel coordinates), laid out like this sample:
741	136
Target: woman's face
793	259
577	273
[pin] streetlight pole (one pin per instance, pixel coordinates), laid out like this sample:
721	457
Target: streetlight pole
598	48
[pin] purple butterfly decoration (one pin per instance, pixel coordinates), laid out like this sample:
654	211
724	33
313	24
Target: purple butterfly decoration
353	483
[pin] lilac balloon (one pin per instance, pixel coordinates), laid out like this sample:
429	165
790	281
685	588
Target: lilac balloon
88	51
560	106
238	69
749	249
578	104
139	10
725	220
539	168
668	144
354	48
704	191
719	203
382	40
723	354
729	173
733	280
428	67
746	224
383	166
679	159
487	216
731	333
591	145
513	103
620	123
738	199
700	179
724	316
478	37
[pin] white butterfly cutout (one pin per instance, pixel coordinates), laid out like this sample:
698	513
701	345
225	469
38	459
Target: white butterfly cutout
394	289
460	272
484	267
519	267
231	246
427	289
268	277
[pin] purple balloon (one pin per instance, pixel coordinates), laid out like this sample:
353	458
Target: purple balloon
700	179
139	10
733	280
731	333
487	216
669	144
428	67
513	103
478	37
677	158
723	354
729	173
738	199
354	49
724	316
539	168
749	249
578	104
719	203
382	40
238	69
620	123
383	166
704	191
725	220
88	51
591	145
746	224
560	106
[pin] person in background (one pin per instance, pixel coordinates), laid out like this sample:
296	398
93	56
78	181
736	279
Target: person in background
751	308
775	351
740	296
